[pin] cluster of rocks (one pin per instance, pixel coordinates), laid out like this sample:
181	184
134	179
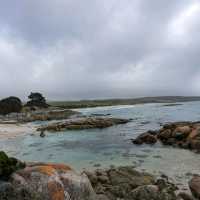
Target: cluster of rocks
44	115
180	134
48	115
128	184
42	181
48	181
83	123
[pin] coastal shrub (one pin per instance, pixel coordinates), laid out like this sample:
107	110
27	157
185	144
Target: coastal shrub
37	99
8	165
10	105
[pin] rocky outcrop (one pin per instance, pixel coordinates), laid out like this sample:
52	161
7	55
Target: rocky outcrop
41	181
181	134
148	138
46	181
49	181
41	115
128	184
10	105
49	115
83	123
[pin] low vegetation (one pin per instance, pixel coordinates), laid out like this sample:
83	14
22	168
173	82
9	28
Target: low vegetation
8	165
113	102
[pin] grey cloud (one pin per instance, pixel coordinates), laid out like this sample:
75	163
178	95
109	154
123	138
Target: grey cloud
98	49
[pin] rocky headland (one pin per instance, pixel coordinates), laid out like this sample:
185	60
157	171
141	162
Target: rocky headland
13	110
180	134
49	181
13	114
38	115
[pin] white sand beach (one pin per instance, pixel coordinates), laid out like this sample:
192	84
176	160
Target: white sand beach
14	130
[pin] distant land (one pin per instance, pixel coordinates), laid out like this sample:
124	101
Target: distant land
115	102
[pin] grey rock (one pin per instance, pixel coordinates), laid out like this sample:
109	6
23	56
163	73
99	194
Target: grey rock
194	185
185	196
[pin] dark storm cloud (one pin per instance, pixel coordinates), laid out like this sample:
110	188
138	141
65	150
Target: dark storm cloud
97	49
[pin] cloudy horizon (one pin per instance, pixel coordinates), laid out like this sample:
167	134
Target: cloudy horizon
70	49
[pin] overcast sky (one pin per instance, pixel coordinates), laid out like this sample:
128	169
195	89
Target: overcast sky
77	49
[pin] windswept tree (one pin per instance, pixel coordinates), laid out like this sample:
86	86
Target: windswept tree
37	99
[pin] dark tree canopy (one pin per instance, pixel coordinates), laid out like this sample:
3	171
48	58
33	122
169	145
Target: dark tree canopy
37	99
10	105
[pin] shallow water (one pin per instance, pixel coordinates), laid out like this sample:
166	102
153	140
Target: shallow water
112	146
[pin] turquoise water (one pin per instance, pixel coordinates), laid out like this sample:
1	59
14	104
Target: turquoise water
112	146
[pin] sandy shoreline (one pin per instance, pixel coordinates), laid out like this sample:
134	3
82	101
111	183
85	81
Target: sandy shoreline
8	131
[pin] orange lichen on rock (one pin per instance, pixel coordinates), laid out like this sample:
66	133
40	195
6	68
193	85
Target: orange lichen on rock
46	169
56	191
61	167
50	169
180	134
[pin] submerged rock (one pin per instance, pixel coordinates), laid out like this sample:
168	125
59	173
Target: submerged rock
99	115
181	134
83	123
147	138
172	105
42	134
